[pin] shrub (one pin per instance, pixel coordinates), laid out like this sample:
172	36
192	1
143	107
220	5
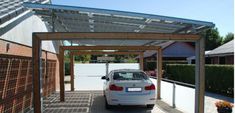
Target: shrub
218	78
67	68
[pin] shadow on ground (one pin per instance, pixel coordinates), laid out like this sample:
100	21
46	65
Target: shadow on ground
98	106
220	97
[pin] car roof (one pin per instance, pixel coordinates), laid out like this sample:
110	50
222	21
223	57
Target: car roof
127	70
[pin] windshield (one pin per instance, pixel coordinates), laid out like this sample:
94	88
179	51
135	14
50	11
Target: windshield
129	76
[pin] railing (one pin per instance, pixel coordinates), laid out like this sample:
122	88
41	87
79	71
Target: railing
176	82
174	87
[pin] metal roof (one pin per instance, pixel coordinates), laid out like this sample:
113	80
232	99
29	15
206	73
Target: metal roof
83	19
227	48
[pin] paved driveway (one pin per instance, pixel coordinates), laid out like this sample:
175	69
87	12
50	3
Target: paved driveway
88	102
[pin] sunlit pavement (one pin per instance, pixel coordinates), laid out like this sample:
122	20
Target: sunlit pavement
88	102
97	84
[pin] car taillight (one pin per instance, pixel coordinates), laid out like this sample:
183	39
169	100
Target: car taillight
151	87
113	87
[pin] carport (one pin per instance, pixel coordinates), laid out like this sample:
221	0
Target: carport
99	29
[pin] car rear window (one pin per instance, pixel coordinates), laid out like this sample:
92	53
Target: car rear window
129	76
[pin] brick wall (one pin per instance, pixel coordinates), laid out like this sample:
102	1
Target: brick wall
229	59
215	60
16	76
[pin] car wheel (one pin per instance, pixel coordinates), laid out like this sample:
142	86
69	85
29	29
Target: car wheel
107	106
150	106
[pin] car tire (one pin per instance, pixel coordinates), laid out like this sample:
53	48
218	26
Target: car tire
150	106
107	106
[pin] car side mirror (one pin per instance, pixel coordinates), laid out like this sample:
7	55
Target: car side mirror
103	77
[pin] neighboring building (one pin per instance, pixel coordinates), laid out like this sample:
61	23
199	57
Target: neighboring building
191	60
221	55
16	27
172	52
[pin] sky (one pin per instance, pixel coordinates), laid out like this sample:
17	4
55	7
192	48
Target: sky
220	12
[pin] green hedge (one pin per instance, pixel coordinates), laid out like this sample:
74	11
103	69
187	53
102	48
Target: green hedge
67	68
218	78
149	66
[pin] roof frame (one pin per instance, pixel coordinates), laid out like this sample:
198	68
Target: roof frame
114	36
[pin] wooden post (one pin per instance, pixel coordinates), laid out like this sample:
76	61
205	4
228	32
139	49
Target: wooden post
107	68
141	61
200	76
72	71
61	60
159	72
37	102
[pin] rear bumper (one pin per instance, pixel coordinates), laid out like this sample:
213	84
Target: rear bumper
131	99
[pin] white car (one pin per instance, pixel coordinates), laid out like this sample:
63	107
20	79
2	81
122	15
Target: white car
128	87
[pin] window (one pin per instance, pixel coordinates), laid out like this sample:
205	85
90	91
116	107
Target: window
221	60
129	76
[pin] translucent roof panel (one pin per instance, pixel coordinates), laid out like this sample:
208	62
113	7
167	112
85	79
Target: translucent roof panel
82	19
12	8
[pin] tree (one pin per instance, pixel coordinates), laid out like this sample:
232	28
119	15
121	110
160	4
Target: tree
83	58
228	37
212	38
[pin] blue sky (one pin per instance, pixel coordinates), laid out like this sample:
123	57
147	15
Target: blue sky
220	12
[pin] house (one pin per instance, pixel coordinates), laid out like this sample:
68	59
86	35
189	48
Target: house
223	54
16	27
191	60
174	52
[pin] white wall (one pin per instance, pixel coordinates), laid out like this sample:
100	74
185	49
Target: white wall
113	66
184	96
88	76
22	33
166	92
90	69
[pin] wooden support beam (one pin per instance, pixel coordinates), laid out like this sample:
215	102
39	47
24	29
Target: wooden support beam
141	59
200	76
61	61
159	72
72	71
36	54
115	36
101	53
137	48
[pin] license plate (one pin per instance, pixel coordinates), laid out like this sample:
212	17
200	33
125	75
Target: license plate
134	89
